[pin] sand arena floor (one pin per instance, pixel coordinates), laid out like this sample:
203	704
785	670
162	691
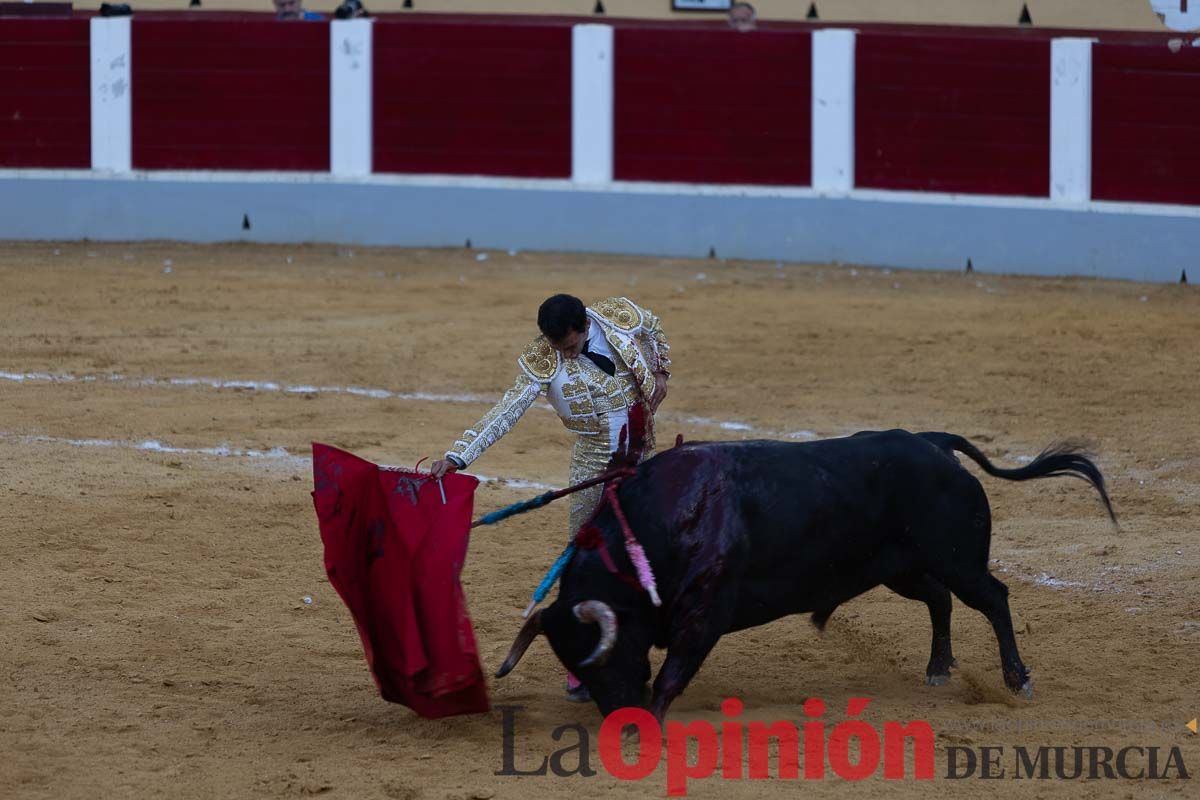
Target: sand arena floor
158	536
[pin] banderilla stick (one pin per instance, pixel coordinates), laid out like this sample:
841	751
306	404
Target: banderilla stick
542	499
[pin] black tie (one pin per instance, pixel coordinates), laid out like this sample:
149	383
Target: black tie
600	361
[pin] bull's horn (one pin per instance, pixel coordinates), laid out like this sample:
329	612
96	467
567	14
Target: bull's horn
599	613
529	632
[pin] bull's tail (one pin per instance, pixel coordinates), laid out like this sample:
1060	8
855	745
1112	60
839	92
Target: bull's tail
1059	459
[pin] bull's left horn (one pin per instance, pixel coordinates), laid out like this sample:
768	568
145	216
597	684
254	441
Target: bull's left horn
599	613
529	632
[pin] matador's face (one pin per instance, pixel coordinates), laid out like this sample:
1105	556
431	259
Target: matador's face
571	345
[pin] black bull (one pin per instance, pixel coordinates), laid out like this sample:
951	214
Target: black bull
743	533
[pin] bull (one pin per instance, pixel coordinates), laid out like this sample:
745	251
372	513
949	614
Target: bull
743	533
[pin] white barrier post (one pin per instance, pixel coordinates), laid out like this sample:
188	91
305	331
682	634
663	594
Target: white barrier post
350	97
112	117
833	110
1071	120
592	103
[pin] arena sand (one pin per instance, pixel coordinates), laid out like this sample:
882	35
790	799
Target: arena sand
154	637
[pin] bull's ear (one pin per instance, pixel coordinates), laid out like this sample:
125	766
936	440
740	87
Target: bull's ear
525	637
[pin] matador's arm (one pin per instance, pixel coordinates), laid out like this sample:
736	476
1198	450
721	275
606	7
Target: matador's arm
652	328
495	423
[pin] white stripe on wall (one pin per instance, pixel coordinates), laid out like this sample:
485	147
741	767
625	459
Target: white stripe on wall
1071	120
350	98
592	104
112	118
833	110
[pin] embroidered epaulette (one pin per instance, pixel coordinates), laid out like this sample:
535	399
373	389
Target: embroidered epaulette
620	312
540	361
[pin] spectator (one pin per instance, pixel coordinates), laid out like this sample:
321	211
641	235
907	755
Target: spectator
294	9
351	9
742	17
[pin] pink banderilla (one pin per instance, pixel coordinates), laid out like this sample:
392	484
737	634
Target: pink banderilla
634	548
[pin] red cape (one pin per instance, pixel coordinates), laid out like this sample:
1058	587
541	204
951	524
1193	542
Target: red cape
394	552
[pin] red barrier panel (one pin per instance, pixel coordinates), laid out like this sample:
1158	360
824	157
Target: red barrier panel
45	93
1146	123
230	94
713	106
472	99
954	114
937	109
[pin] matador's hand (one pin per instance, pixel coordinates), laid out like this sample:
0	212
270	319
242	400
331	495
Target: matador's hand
660	391
441	467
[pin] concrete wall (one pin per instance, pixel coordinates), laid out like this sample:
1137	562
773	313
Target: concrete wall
915	230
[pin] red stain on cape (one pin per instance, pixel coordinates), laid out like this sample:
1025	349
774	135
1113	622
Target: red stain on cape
394	552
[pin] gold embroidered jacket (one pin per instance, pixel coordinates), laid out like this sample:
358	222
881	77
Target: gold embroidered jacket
579	392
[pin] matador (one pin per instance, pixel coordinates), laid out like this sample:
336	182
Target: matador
593	364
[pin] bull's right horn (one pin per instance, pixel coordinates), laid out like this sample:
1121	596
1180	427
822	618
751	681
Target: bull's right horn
528	632
601	614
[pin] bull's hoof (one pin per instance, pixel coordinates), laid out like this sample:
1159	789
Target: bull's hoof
1019	682
938	670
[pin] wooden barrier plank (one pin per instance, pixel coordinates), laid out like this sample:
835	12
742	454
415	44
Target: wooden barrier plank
713	106
472	99
955	114
230	94
1146	123
45	93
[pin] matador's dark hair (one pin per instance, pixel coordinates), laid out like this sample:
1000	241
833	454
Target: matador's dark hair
560	315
